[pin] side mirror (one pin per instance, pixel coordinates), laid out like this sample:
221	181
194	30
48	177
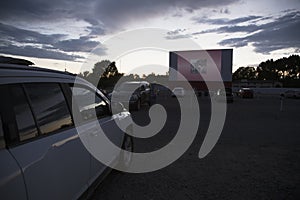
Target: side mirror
117	108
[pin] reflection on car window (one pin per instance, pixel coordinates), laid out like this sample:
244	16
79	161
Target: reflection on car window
91	106
24	118
49	106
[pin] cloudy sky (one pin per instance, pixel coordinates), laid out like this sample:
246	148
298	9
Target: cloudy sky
60	33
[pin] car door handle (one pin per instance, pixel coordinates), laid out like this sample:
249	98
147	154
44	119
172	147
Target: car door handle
63	142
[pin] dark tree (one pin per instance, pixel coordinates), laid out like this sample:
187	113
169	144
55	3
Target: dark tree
285	70
104	74
101	68
281	69
248	73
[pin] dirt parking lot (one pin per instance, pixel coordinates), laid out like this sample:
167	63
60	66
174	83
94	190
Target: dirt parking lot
256	157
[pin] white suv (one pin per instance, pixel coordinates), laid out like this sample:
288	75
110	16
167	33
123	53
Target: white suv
41	154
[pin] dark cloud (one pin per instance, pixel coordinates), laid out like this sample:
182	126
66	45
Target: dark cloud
96	30
225	21
31	51
231	24
83	44
177	34
114	13
41	10
231	29
12	33
282	33
96	27
52	46
222	11
103	16
109	13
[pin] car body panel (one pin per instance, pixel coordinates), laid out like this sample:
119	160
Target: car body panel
48	162
12	185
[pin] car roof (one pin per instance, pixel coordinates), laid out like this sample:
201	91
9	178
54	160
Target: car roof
25	68
12	73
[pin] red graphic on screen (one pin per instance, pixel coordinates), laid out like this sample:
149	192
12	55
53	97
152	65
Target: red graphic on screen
199	65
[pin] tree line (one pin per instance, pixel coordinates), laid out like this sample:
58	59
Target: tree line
286	70
105	75
283	69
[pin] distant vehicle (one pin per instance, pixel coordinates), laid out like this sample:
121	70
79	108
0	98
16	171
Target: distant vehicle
225	94
159	89
197	92
136	93
297	94
246	93
41	153
291	94
178	92
209	93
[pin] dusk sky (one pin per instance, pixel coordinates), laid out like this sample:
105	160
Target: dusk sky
59	34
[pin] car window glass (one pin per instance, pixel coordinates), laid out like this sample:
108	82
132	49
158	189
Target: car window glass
2	142
24	118
49	106
90	105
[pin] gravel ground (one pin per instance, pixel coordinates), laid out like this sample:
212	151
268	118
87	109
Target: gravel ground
256	157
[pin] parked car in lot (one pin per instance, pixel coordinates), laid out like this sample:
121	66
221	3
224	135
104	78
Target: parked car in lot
41	153
291	94
246	93
297	94
136	93
224	94
178	92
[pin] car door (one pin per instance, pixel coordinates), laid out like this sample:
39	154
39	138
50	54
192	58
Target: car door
11	179
52	158
94	112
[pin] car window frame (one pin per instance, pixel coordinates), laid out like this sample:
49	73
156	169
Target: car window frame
97	93
9	142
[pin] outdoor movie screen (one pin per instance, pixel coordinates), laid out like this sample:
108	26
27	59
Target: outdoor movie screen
201	65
